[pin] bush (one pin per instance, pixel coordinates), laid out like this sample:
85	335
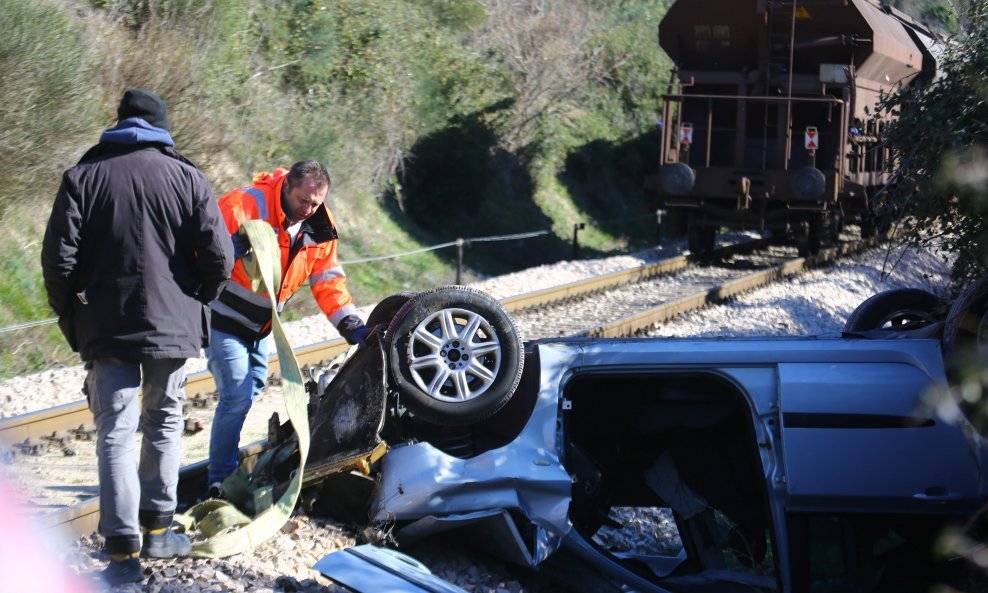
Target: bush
50	106
418	107
939	142
49	103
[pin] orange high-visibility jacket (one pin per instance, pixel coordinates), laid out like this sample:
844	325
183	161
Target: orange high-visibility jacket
247	314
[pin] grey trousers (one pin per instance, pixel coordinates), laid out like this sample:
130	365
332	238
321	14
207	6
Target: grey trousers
136	495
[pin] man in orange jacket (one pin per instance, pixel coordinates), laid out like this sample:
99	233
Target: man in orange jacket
293	202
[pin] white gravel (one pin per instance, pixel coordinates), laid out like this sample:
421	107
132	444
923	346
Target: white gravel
811	304
37	391
815	303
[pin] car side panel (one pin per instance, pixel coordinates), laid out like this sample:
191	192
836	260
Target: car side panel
872	436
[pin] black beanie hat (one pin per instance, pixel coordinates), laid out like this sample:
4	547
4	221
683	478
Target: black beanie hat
145	105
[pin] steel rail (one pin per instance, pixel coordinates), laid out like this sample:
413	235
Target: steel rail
75	415
632	324
82	518
587	286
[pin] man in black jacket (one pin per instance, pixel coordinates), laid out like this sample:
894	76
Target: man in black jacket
134	252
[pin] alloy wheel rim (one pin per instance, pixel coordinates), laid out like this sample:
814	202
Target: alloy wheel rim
454	355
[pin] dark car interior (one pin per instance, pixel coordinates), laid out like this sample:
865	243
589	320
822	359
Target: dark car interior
679	444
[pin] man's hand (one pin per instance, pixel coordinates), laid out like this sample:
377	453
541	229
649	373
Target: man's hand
360	334
353	329
241	245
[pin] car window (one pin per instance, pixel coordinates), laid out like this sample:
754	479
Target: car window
870	552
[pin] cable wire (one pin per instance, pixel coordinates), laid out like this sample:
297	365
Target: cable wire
28	325
514	237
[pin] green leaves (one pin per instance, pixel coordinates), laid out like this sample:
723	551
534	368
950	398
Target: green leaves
45	93
471	107
940	140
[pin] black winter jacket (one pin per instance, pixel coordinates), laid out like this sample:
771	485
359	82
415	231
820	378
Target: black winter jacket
134	251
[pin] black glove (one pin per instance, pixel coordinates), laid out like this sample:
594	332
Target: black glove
241	245
353	329
360	334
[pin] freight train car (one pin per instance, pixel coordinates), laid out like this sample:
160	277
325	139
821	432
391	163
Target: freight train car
768	123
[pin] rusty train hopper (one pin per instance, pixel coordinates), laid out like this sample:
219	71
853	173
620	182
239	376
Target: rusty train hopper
767	120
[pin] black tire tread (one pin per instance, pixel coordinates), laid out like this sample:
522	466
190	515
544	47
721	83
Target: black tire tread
873	310
960	328
388	307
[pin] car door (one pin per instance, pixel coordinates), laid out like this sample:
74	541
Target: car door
865	435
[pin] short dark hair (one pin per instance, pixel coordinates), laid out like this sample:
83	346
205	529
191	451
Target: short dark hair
311	169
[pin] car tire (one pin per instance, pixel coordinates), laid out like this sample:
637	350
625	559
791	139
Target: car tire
386	309
444	376
901	309
965	331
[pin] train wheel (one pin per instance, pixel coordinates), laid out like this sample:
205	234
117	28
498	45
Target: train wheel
812	234
699	238
875	225
836	224
868	227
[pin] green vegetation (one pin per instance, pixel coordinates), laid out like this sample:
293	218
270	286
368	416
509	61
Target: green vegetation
940	141
941	144
437	118
941	15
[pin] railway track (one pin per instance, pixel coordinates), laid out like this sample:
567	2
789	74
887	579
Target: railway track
612	305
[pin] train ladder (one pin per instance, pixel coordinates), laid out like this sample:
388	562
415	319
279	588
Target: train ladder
227	531
781	22
780	32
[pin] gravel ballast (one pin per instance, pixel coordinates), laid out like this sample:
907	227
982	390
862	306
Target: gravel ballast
814	303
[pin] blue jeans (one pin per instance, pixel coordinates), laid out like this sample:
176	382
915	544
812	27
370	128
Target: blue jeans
240	369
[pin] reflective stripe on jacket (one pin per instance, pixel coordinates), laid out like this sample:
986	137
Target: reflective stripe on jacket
312	260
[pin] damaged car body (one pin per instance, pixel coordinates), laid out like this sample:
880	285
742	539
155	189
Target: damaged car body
774	464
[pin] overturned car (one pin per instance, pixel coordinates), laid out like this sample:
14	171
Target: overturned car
777	464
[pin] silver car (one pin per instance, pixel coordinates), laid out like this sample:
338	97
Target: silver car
772	464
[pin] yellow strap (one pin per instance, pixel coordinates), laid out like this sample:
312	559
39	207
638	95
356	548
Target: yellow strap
229	531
